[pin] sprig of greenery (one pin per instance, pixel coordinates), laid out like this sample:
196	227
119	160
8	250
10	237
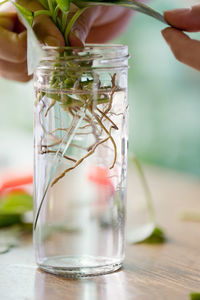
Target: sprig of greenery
58	10
195	296
13	206
149	233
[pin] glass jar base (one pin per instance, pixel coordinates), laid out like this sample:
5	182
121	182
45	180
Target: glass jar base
79	266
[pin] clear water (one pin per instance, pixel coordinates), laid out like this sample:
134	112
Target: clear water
80	229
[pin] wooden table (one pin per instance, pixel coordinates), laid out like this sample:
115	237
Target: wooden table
169	271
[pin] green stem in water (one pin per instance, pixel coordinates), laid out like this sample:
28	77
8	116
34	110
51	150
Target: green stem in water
55	14
64	21
42	12
51	6
146	189
71	22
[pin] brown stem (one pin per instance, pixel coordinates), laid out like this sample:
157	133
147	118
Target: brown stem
50	106
80	161
105	116
111	138
54	151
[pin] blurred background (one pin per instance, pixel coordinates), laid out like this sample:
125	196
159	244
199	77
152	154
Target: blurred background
164	98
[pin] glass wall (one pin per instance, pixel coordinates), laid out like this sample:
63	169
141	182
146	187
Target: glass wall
164	98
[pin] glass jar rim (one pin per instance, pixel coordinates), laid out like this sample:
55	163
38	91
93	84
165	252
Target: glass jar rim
103	51
88	46
96	56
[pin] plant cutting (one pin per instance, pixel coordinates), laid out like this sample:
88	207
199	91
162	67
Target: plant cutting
80	127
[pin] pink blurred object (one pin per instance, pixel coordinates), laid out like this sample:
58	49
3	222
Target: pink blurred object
100	177
17	181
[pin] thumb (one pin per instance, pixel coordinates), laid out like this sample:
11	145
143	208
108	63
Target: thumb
82	26
47	32
44	28
187	19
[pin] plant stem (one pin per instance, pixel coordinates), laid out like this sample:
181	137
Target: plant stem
42	12
148	197
71	22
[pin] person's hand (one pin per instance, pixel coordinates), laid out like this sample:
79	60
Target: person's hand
13	36
95	25
185	49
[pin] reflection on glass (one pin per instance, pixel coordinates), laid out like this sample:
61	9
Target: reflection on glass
50	287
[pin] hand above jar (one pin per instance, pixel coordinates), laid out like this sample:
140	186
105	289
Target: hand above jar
95	25
185	49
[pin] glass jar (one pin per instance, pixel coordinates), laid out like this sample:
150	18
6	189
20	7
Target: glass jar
80	159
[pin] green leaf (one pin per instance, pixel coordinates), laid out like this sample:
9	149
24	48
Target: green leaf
44	3
16	203
9	219
63	5
1	3
72	21
147	234
157	237
27	14
42	12
195	296
132	4
9	237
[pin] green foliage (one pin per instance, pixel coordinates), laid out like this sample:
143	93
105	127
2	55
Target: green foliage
16	203
156	237
27	14
12	208
195	296
9	219
63	5
147	234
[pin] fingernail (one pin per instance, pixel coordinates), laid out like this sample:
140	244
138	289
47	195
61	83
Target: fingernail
51	41
165	32
76	38
178	11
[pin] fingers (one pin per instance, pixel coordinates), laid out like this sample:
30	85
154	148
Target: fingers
44	28
185	19
99	24
12	46
106	32
47	32
7	20
14	71
185	50
82	26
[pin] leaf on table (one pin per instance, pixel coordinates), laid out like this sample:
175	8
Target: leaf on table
190	216
16	203
9	238
13	236
195	296
13	206
148	234
9	219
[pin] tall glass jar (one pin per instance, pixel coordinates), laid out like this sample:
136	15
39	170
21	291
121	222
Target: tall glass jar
80	135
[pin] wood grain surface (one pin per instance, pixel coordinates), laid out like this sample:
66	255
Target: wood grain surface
169	271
